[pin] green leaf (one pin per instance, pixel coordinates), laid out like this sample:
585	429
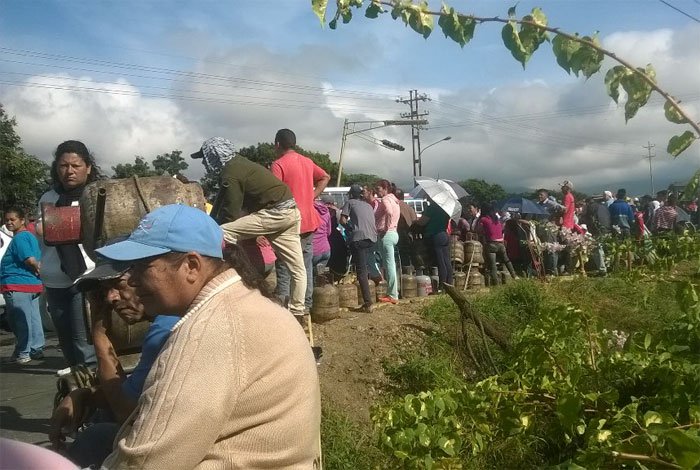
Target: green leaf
511	11
333	23
374	10
447	445
568	409
511	39
672	114
458	28
564	49
419	19
319	7
679	143
652	417
647	341
684	448
586	59
612	81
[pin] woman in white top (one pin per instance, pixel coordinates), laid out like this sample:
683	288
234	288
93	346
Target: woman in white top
72	169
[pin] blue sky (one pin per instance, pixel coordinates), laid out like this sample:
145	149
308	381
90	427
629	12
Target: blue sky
146	77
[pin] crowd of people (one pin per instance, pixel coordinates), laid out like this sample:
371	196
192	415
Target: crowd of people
226	377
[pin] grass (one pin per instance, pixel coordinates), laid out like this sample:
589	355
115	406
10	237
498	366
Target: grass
346	446
619	302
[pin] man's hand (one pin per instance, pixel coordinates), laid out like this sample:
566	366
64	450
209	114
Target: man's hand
69	415
262	242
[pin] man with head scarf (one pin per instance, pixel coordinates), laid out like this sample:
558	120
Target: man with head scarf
268	204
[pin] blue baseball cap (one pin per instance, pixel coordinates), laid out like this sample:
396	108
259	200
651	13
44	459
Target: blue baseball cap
174	227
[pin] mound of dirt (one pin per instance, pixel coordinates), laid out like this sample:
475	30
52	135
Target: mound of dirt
354	348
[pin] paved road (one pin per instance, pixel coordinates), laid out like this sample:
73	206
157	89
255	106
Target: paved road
26	393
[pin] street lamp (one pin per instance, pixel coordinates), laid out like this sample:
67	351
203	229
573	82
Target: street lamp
368	126
419	162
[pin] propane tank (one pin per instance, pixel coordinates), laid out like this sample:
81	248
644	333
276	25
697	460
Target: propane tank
325	299
409	288
435	279
460	280
423	284
382	289
347	296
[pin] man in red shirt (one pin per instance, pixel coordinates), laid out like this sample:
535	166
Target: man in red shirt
307	181
569	205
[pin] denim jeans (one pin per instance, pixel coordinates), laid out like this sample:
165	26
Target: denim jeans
93	444
320	261
25	320
440	244
361	250
66	309
284	276
387	245
496	250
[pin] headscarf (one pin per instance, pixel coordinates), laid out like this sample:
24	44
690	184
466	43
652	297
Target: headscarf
215	152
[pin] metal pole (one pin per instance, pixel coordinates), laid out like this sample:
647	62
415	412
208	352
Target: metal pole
342	149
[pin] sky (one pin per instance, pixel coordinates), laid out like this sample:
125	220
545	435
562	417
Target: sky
145	77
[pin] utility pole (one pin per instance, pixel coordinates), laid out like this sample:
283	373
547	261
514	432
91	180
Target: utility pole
649	156
415	115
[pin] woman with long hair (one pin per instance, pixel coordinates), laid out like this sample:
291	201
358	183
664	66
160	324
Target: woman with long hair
386	219
491	229
72	169
21	287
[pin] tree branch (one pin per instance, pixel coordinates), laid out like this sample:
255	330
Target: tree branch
612	55
644	458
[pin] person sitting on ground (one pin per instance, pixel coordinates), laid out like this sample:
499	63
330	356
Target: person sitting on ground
491	230
269	206
362	238
666	217
235	385
117	394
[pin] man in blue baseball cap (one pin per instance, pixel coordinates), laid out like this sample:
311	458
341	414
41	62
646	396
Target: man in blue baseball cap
235	385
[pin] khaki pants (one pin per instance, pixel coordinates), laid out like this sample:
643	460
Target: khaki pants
281	227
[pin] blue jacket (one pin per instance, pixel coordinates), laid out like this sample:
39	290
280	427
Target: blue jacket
621	213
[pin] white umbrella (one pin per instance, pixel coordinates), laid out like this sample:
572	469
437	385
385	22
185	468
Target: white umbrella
441	193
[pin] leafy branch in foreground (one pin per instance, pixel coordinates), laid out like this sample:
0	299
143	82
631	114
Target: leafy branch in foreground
580	395
522	37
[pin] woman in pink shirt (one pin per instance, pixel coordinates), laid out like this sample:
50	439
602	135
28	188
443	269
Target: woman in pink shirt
386	218
491	229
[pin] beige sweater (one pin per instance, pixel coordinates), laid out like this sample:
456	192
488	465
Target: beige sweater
235	387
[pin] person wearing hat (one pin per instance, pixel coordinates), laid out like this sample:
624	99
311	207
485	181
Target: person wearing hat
362	237
569	204
235	385
269	206
117	394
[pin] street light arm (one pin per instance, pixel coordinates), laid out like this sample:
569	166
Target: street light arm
434	143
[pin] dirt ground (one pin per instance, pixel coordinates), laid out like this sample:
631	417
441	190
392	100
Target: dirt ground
354	348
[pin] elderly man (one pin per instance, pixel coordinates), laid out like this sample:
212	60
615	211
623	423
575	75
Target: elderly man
235	385
116	394
269	208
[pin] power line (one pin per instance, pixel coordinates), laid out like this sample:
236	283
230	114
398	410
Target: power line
680	11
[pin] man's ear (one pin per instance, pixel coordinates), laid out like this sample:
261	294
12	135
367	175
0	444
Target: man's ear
193	265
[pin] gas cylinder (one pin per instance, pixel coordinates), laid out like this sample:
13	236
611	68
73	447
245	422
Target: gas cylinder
347	295
476	280
409	288
372	291
456	250
325	299
460	279
382	289
435	279
423	284
473	252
